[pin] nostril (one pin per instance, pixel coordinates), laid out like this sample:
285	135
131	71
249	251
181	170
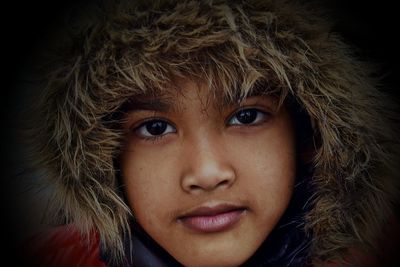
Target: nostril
194	187
222	183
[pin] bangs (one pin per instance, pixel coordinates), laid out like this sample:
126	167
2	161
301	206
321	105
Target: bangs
227	77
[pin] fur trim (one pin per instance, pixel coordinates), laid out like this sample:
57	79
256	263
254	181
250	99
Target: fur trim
127	50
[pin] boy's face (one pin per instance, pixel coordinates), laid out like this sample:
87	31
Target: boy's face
208	182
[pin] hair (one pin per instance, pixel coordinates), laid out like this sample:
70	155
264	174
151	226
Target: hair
125	49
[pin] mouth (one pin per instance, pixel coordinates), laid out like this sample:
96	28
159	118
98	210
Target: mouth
209	219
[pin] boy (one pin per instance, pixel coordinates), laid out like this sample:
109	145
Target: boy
212	134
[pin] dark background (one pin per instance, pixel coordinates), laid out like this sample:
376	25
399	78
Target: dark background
370	26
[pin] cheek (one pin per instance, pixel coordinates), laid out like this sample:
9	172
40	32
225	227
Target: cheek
149	183
266	165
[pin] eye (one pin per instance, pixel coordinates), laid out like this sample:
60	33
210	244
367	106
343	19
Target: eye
249	116
154	128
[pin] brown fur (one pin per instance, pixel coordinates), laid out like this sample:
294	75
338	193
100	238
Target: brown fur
234	47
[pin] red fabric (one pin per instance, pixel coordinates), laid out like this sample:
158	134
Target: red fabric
63	247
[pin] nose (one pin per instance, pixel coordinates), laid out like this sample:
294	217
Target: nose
207	166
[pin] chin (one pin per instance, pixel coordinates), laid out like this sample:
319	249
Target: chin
214	263
215	259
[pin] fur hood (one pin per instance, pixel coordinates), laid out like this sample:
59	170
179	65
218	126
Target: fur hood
121	51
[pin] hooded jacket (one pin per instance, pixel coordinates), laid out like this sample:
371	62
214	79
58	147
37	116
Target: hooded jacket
121	50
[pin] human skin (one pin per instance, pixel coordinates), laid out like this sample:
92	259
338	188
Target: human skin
196	157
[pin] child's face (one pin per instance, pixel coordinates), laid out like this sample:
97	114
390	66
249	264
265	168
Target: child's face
208	182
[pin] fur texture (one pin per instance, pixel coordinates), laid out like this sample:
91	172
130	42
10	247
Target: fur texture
125	50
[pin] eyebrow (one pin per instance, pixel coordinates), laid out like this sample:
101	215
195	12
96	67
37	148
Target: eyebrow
167	103
160	104
236	99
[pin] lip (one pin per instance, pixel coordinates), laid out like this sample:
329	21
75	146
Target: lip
209	219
